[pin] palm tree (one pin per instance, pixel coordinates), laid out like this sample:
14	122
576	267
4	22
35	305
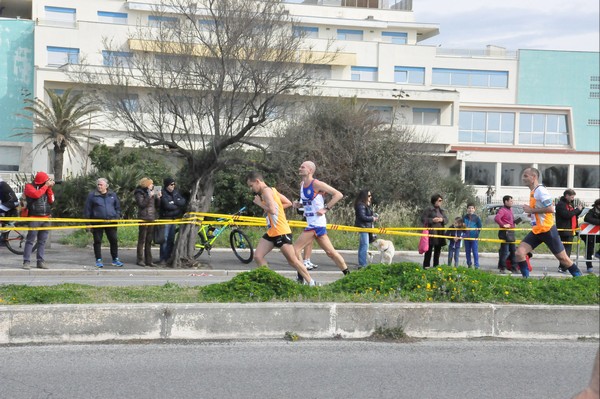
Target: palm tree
60	122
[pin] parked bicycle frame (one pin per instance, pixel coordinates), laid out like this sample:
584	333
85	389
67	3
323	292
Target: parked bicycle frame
238	240
14	239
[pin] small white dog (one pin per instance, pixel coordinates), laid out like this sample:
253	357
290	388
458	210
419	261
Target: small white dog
386	249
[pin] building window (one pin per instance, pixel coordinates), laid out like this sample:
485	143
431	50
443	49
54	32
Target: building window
587	176
10	159
480	173
411	75
64	16
553	175
132	103
125	103
367	74
511	174
116	58
543	129
384	113
469	78
119	18
486	127
157	21
207	24
394	37
306	32
58	56
426	116
318	71
349	34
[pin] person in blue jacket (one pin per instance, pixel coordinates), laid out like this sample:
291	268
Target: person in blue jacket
473	226
104	204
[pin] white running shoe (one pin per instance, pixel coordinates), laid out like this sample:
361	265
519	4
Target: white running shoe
309	265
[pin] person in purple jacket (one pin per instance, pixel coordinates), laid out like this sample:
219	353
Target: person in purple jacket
505	219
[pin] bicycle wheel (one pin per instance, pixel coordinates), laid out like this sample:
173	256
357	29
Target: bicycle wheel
241	246
15	241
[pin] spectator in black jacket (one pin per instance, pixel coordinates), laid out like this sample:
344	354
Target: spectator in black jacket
172	206
566	221
364	217
104	204
592	217
434	217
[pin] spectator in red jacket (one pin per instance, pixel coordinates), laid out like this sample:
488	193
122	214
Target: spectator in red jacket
39	197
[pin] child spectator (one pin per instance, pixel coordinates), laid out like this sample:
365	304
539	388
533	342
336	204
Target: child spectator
455	242
473	222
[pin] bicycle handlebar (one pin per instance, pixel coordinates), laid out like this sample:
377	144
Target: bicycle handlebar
237	213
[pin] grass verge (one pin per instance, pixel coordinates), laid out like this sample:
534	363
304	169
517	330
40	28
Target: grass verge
400	282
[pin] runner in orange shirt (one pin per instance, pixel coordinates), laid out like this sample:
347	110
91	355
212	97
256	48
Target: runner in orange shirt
543	230
279	233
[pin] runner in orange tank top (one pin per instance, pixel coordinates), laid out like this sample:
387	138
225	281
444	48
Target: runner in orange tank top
278	233
543	230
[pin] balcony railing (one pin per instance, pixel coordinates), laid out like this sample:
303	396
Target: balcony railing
496	52
401	5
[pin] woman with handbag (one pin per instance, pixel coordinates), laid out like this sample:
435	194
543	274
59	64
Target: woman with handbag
364	217
434	217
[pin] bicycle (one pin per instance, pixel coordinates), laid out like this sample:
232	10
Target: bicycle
238	240
14	239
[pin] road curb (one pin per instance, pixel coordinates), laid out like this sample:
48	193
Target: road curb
208	321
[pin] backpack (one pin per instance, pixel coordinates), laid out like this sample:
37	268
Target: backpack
8	200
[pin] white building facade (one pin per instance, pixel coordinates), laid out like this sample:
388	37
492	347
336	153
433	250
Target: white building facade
484	116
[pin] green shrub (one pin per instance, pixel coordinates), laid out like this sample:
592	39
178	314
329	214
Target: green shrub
399	282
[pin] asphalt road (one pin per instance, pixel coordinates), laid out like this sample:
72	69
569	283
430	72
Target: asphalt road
475	369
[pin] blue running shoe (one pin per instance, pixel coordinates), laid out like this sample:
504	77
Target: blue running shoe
99	263
116	262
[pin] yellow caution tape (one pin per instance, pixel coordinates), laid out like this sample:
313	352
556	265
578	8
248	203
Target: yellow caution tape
205	218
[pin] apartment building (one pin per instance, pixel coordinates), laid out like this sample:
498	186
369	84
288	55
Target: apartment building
488	112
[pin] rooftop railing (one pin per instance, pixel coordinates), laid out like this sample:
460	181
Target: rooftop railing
401	5
490	51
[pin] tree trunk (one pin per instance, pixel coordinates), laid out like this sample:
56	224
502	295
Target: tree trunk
59	158
183	253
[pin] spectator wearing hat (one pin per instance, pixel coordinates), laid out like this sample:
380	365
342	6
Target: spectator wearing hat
39	197
172	206
147	200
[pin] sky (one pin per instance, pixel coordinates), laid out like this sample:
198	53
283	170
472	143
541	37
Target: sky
513	24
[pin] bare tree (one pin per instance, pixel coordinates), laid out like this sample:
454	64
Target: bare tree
201	82
354	148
